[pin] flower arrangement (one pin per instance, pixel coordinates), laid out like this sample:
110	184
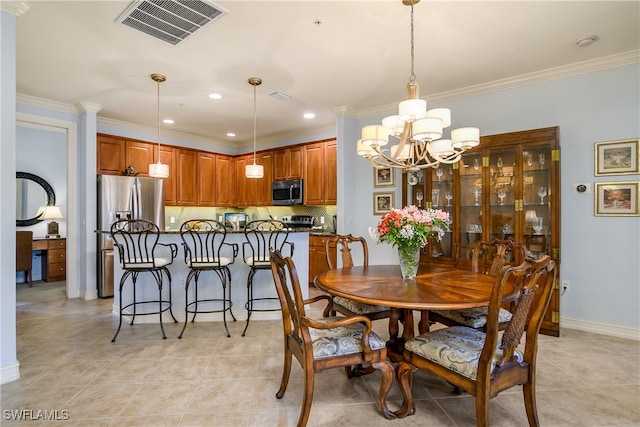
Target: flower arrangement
409	229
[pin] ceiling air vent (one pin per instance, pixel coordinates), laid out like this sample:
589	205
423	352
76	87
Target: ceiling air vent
171	21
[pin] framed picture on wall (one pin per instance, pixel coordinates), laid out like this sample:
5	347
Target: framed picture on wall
617	157
617	199
383	177
382	203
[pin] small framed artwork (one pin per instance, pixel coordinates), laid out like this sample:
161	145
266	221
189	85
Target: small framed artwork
382	203
383	177
617	157
617	198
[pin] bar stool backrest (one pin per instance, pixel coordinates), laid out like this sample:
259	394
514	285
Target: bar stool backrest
136	240
202	240
261	236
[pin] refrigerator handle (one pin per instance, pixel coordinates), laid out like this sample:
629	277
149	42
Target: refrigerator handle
136	197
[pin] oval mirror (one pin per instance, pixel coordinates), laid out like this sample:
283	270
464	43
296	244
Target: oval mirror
31	193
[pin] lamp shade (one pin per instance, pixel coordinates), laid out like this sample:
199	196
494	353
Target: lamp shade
254	171
412	109
158	170
375	135
50	212
465	137
429	128
441	148
443	114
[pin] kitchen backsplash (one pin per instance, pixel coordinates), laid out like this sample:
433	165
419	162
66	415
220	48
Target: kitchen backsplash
176	215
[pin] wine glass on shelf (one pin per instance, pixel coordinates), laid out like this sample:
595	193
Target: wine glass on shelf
499	163
419	197
439	173
501	194
435	197
448	195
541	160
476	163
542	192
529	159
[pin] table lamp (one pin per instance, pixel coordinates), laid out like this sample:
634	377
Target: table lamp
52	213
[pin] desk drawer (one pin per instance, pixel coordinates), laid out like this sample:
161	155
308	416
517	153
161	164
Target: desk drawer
56	271
57	244
40	245
57	255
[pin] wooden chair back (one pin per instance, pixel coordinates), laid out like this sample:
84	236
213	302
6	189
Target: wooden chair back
24	253
343	244
502	252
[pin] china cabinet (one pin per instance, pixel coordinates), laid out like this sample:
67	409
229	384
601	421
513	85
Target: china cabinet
506	188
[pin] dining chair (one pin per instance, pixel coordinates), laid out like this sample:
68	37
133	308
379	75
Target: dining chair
344	244
501	253
205	249
260	237
485	364
140	252
24	254
329	342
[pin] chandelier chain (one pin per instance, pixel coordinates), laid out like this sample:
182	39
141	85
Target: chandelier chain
412	78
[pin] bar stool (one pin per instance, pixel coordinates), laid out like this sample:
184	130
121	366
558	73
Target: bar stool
205	249
137	243
261	236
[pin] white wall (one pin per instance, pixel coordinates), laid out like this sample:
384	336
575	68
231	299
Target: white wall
600	256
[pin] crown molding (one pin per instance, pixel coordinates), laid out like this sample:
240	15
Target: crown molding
89	107
16	8
34	101
612	61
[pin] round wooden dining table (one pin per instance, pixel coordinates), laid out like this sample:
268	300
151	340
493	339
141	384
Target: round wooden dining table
434	288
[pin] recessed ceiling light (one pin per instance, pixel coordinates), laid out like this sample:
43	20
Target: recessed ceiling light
231	134
168	121
309	115
587	41
215	96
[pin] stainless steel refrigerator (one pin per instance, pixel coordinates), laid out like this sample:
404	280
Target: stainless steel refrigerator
123	197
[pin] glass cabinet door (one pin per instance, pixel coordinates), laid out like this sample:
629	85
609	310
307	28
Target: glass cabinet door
471	200
441	197
502	194
536	196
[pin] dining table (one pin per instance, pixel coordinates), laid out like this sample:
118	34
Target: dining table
434	288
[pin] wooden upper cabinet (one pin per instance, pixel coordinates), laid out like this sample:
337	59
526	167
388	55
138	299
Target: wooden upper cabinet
225	181
139	155
264	184
331	168
186	177
206	179
168	157
111	157
314	174
288	163
241	190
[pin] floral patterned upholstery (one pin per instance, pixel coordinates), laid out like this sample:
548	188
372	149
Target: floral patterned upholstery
358	307
456	348
473	317
342	340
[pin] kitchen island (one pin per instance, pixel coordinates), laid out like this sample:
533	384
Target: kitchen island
209	283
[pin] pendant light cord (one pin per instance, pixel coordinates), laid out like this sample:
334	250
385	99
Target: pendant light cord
412	77
158	83
254	123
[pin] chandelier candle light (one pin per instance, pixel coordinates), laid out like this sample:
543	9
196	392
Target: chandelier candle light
418	129
158	170
254	170
409	229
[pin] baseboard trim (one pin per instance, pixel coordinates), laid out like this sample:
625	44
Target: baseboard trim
10	373
600	328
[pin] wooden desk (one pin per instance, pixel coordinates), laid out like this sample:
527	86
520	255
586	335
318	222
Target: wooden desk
434	288
54	258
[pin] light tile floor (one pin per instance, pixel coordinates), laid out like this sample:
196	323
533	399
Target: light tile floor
68	363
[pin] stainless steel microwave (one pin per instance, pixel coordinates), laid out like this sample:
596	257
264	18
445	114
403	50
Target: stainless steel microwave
286	193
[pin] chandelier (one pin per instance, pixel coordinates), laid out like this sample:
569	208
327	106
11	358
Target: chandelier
158	170
418	130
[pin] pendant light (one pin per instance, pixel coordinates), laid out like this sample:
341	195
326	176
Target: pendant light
158	170
254	170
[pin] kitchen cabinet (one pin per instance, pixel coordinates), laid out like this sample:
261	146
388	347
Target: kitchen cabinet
506	188
261	190
287	163
206	179
241	185
186	177
139	155
168	157
320	173
224	180
111	155
317	255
